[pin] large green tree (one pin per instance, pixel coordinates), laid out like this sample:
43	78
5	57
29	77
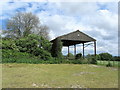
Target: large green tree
105	56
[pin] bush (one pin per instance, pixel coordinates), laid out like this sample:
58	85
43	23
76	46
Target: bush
45	55
9	44
78	56
70	56
84	61
27	44
35	45
76	62
93	60
57	48
109	65
10	56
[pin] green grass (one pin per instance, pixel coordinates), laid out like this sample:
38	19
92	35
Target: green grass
104	63
58	76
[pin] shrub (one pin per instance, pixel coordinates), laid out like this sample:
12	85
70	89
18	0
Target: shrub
9	44
70	56
45	55
98	57
109	65
76	62
57	48
27	44
35	45
84	61
78	56
93	60
10	56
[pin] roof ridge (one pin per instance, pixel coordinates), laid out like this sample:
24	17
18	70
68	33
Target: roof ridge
62	36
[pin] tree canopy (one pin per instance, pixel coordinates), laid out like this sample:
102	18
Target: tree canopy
105	56
23	24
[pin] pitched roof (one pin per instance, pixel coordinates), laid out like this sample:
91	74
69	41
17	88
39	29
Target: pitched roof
75	37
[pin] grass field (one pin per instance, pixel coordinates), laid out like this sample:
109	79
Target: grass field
113	63
58	76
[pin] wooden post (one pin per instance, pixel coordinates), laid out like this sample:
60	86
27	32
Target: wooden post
68	51
95	48
83	50
74	50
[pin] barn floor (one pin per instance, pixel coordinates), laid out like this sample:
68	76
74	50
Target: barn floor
58	76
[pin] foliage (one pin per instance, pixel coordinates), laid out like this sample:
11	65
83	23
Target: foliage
27	44
105	56
23	24
9	44
46	44
43	54
11	56
33	44
70	56
116	58
109	65
57	48
42	31
98	57
78	56
92	59
84	61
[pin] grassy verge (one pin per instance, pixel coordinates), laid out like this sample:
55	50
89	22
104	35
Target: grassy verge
58	76
113	63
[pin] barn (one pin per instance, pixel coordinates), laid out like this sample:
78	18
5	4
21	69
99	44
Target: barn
76	37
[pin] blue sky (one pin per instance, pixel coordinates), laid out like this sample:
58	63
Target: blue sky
97	19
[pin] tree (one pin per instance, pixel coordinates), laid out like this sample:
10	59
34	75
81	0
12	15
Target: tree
105	56
43	31
57	48
23	24
116	58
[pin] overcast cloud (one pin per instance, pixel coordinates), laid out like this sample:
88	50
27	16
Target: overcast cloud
98	20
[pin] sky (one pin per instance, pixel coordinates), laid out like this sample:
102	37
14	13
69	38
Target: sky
97	19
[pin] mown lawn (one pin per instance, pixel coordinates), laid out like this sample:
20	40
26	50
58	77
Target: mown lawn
58	76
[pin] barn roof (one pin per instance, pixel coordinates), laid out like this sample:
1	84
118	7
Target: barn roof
75	37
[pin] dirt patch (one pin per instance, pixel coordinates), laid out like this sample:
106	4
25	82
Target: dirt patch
81	73
75	86
34	85
94	66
